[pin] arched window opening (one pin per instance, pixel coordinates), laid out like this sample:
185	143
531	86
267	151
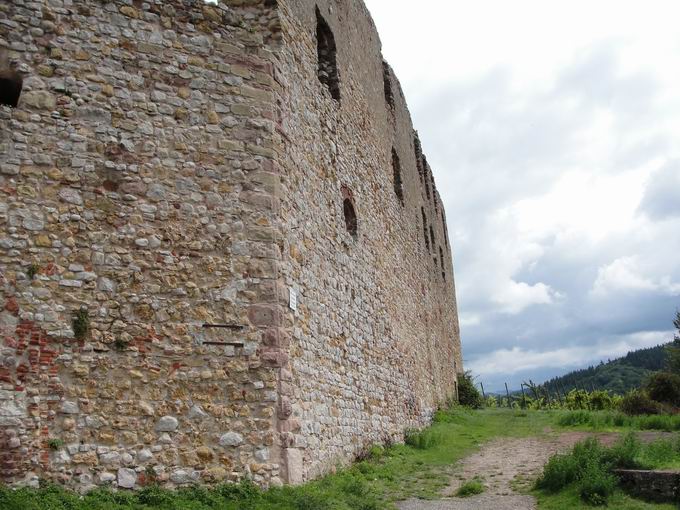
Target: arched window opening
11	84
351	221
427	239
387	84
327	54
396	170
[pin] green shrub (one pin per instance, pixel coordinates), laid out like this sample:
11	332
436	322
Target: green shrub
624	454
664	387
601	400
468	394
637	402
596	484
577	399
470	489
560	471
422	440
574	418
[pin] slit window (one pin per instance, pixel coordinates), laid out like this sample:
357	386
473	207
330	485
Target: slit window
441	260
387	83
432	239
327	54
426	177
446	231
419	157
427	239
11	84
396	170
351	221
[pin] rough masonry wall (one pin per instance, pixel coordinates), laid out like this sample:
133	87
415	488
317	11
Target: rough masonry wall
138	251
375	344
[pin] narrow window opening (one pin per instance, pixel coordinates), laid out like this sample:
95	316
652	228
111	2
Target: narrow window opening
446	231
327	54
11	84
351	221
419	157
387	83
427	239
441	260
350	217
432	239
396	169
426	176
434	189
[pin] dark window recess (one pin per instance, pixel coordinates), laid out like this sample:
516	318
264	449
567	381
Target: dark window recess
396	169
327	53
11	84
441	260
427	239
419	156
350	217
446	230
432	239
426	176
387	83
351	222
434	191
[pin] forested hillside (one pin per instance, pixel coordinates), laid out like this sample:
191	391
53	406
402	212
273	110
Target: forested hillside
617	376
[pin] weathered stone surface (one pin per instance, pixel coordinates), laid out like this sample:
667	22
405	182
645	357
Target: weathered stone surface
127	478
231	439
167	424
167	187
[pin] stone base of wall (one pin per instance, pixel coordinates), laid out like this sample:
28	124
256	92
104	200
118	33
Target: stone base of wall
662	486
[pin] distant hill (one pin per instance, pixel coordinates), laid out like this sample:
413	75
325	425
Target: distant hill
617	376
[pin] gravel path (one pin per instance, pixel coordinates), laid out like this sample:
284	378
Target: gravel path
500	465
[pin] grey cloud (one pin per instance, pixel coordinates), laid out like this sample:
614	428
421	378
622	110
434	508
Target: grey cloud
492	146
662	195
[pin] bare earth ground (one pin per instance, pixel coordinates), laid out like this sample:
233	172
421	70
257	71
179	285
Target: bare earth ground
505	463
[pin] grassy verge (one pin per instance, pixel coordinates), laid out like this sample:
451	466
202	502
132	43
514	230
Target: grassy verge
584	476
420	468
614	420
570	499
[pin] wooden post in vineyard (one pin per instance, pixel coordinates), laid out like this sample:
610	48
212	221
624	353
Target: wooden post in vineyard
508	394
524	398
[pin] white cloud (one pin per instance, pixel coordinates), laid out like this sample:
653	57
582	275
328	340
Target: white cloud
514	297
625	274
552	130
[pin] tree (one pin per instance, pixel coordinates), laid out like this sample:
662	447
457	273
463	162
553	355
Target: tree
673	350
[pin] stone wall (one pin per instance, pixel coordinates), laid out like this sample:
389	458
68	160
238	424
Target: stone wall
374	342
135	186
172	170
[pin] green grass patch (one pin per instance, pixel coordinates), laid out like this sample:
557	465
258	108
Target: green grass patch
614	420
470	488
570	499
588	468
420	469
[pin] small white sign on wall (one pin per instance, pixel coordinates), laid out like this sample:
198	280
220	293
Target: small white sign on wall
292	301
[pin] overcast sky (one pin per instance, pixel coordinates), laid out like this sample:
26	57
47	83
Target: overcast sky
553	131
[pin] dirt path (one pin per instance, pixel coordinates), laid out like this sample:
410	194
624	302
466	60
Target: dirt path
501	465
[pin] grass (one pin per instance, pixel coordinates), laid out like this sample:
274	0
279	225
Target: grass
587	471
420	469
470	488
570	499
614	420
